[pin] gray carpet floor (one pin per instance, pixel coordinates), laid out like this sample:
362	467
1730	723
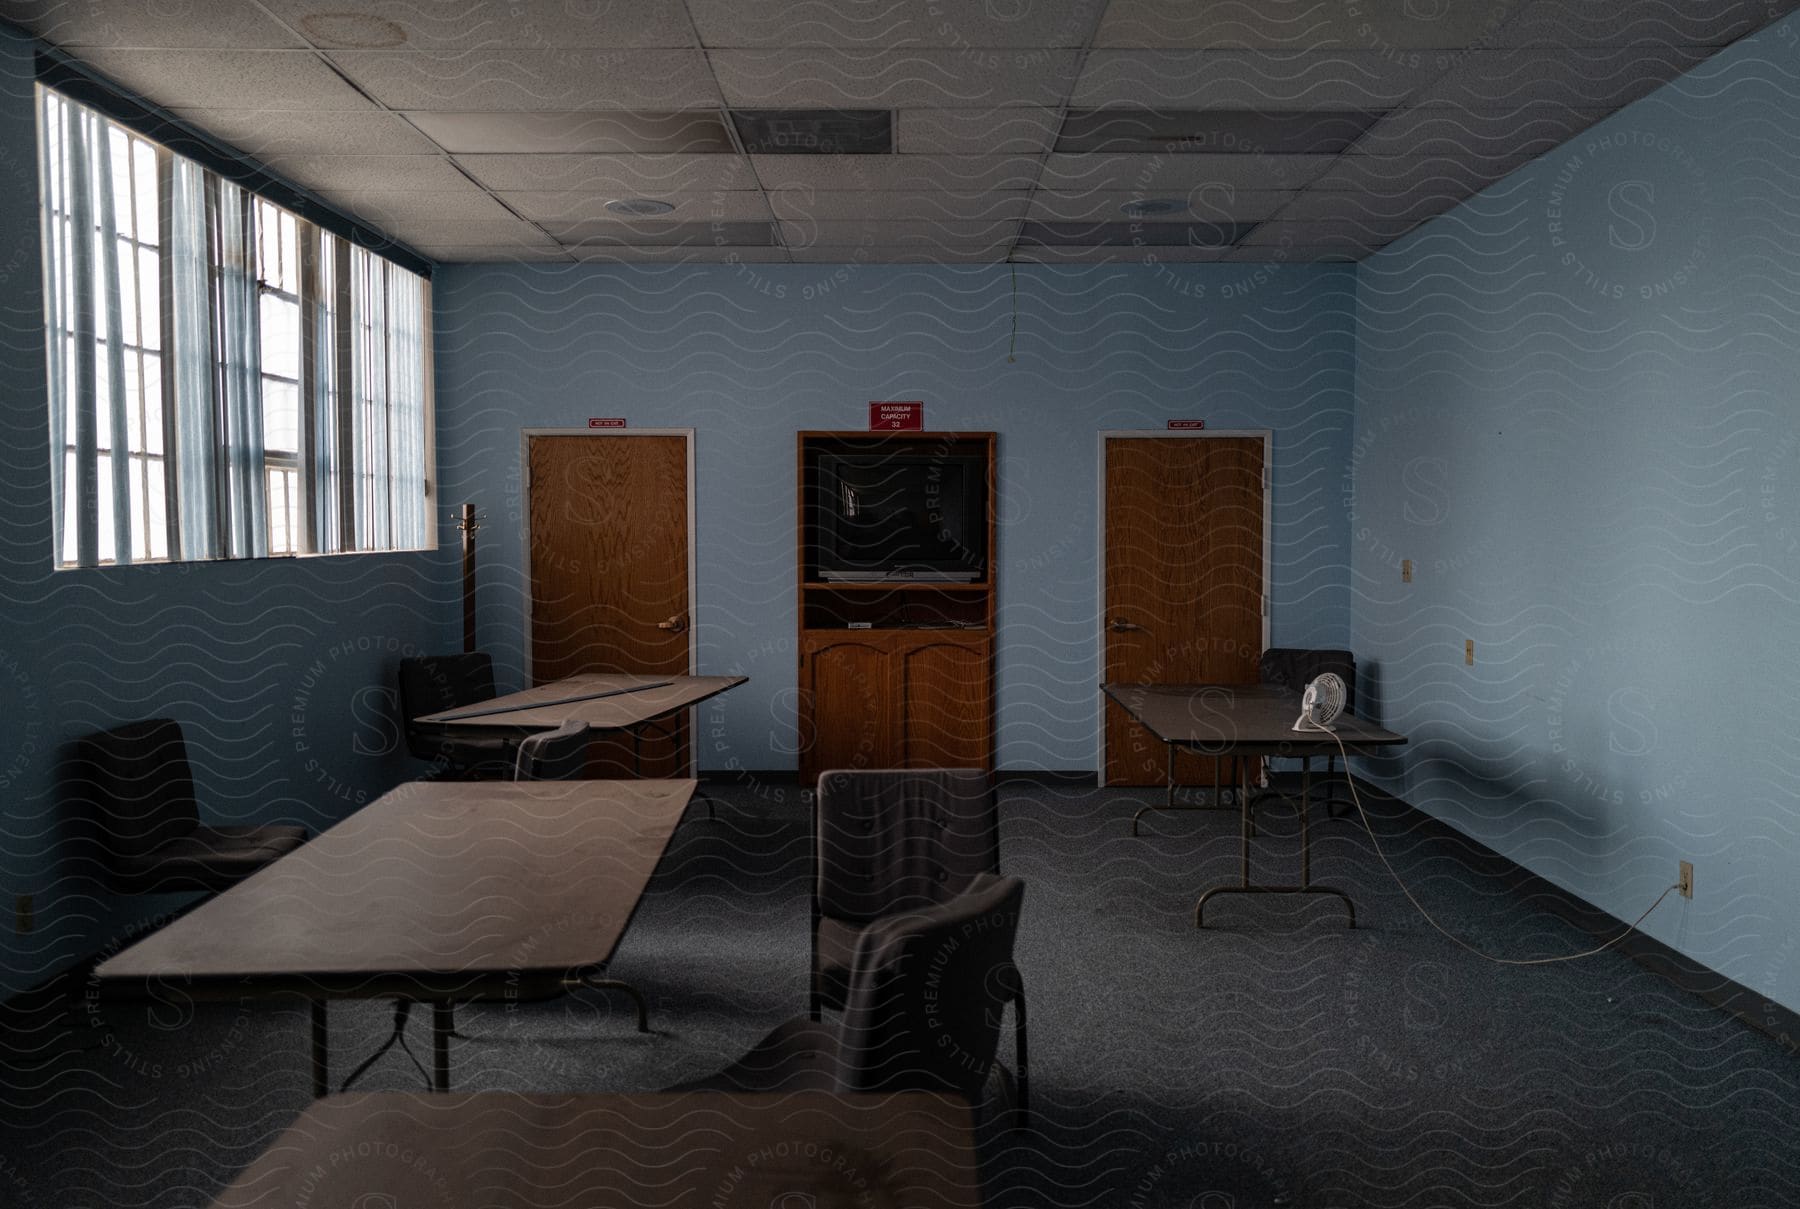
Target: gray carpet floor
1276	1058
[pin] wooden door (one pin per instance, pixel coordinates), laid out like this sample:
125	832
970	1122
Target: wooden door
609	573
1184	590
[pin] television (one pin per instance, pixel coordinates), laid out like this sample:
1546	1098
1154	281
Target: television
918	517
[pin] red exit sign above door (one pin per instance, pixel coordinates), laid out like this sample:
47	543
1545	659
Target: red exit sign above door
896	417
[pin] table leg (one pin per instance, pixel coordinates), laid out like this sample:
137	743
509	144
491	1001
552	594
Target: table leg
1305	886
321	1049
443	1023
1168	802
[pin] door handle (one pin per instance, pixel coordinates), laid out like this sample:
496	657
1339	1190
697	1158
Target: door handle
677	624
1119	625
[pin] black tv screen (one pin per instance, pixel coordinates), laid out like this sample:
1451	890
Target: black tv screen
902	516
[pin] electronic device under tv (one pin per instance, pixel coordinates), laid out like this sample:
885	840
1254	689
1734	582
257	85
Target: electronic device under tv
918	518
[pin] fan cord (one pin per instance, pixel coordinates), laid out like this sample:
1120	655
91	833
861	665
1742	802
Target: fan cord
1426	915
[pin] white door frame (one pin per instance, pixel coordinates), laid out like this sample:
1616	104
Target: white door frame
687	434
1128	434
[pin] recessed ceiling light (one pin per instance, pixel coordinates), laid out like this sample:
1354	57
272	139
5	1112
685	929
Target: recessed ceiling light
1144	207
639	207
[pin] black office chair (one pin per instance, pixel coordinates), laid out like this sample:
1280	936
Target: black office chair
1296	667
135	789
891	841
553	755
431	684
926	995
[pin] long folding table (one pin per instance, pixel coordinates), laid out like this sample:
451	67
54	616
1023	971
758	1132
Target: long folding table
437	892
1248	720
628	703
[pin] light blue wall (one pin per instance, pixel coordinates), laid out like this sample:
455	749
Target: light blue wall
1577	413
274	667
747	355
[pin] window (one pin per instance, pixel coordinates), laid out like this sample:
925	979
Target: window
227	380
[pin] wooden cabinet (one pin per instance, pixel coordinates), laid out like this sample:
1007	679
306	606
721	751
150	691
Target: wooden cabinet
894	673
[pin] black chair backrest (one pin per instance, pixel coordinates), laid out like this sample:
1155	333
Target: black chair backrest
928	991
1296	667
137	787
892	840
430	684
553	755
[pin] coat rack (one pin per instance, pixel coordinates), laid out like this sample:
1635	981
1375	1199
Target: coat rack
467	523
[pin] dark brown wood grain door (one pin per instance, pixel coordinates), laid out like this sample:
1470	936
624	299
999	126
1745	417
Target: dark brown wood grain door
1184	588
609	573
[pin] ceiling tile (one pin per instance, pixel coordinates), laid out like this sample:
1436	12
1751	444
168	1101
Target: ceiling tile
934	205
1159	174
1385	26
1581	78
700	254
497	253
912	234
470	233
1136	130
1343	234
1388	174
560	207
378	173
1040	254
223	79
660	232
1235	79
390	210
993	253
963	173
1372	208
1562	23
1252	254
593	131
137	24
870	24
464	27
892	79
1208	203
533	79
1475	133
268	133
1014	129
633	174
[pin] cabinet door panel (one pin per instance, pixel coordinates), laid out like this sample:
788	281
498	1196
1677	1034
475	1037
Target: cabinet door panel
945	706
850	706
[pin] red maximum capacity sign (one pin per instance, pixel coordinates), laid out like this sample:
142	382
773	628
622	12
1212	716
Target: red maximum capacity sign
897	417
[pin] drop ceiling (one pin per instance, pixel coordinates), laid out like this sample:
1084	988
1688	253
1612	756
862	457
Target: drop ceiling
987	130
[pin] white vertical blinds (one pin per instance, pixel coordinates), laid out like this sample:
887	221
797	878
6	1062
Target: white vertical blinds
225	378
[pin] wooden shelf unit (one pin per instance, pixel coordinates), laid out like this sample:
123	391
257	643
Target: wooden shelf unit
894	674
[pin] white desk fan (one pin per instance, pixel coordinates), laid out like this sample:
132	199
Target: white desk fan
1322	702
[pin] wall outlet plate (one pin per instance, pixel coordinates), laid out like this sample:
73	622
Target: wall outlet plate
24	914
1406	570
1685	881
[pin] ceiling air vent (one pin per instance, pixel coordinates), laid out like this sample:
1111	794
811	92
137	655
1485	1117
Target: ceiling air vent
815	131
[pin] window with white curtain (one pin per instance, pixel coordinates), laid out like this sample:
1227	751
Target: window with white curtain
226	379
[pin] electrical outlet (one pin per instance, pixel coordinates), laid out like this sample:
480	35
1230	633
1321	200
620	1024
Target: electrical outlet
24	914
1685	882
1406	570
1469	652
